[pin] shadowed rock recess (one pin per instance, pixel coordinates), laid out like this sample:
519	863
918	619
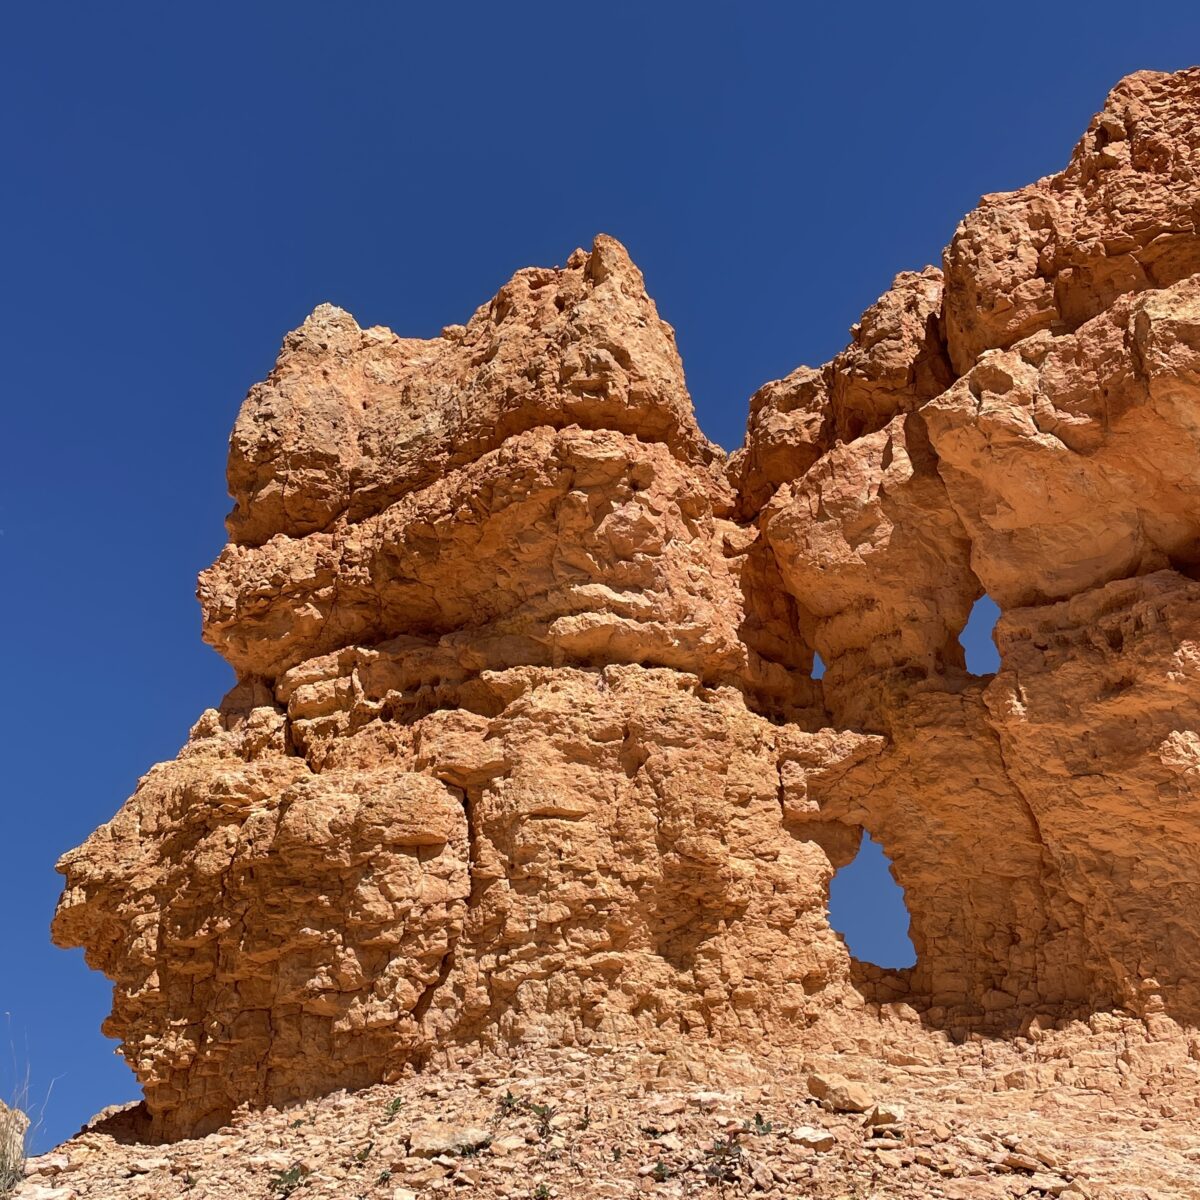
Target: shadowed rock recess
525	750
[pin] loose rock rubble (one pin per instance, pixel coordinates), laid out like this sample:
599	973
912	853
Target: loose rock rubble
966	1124
526	760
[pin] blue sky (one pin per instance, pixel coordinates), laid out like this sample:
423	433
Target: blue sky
183	183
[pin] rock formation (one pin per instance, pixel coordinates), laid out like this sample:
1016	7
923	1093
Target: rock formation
525	748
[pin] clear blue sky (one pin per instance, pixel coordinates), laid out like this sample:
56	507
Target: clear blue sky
182	183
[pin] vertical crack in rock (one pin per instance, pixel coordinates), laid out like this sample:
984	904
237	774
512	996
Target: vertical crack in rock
421	1007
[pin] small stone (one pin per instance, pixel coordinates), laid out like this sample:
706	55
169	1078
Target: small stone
144	1166
886	1112
840	1095
48	1164
812	1138
670	1106
420	1172
510	1143
1050	1184
432	1139
1019	1162
763	1176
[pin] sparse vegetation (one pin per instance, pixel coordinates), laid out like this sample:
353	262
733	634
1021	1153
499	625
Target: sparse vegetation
660	1172
15	1127
508	1104
724	1160
12	1150
541	1192
392	1108
284	1183
758	1126
544	1114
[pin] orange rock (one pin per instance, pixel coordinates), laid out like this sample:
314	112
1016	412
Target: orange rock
525	750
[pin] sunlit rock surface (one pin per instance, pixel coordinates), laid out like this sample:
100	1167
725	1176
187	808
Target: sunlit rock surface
525	751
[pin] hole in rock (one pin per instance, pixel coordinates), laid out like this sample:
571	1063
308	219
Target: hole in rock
977	638
866	906
818	667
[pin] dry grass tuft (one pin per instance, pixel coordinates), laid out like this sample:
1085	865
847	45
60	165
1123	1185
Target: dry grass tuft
14	1132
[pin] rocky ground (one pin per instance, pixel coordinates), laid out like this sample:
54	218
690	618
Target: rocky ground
1106	1110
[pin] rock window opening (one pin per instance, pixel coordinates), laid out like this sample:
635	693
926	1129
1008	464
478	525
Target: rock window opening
866	906
818	667
978	637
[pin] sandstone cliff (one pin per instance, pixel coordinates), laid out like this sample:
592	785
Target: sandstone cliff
526	750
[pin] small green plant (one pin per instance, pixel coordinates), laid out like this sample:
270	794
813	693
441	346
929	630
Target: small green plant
507	1104
297	1124
759	1127
660	1172
383	1176
284	1183
365	1153
544	1113
541	1192
724	1160
392	1109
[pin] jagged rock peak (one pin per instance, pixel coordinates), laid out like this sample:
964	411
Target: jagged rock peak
350	420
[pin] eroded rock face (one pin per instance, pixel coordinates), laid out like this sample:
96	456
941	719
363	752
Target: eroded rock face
525	748
1037	820
505	762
